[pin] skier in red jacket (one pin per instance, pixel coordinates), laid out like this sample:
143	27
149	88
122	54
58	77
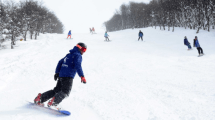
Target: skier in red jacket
93	30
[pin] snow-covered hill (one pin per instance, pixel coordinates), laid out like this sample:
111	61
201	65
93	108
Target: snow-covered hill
157	79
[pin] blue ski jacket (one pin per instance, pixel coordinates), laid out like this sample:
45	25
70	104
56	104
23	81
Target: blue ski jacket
70	64
106	35
69	33
196	43
140	34
186	42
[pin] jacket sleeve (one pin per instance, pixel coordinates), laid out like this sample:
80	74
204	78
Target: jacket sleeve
78	61
59	66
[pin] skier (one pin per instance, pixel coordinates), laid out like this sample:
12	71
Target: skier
197	45
69	34
90	30
106	36
93	30
140	35
65	73
186	42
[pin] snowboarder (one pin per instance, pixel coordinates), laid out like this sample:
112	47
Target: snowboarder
64	74
69	34
197	45
186	42
140	35
106	37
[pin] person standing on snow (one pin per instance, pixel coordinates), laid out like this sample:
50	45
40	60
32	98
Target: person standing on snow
106	37
90	30
140	35
93	30
69	34
64	73
197	45
186	42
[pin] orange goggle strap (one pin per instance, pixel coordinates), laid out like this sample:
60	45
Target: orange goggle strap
81	48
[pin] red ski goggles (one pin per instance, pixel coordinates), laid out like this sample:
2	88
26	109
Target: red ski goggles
83	49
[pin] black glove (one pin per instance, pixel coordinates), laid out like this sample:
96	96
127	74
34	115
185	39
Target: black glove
56	76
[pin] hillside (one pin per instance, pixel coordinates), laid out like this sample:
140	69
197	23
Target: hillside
154	79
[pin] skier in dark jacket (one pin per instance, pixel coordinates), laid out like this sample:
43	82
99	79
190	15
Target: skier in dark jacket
140	35
186	42
64	73
90	30
197	45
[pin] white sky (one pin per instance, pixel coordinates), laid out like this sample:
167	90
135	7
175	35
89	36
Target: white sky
80	15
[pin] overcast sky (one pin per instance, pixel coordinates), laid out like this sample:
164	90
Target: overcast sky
80	15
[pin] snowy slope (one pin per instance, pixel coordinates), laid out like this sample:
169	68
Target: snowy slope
126	79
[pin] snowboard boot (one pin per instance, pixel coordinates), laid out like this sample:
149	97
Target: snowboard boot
37	100
52	103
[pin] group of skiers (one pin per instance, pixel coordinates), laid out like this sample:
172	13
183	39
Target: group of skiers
92	30
68	66
186	42
140	36
195	44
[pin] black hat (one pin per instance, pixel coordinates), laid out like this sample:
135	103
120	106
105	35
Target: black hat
82	45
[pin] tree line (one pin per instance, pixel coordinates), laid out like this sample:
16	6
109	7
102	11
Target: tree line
167	14
26	17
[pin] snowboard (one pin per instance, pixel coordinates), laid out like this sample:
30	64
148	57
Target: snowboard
54	111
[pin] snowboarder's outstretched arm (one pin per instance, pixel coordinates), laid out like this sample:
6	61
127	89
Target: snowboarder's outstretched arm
77	61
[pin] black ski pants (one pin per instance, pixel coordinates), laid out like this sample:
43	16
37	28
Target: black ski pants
140	37
200	50
61	90
106	38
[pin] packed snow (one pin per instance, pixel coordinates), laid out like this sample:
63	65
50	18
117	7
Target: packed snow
127	79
